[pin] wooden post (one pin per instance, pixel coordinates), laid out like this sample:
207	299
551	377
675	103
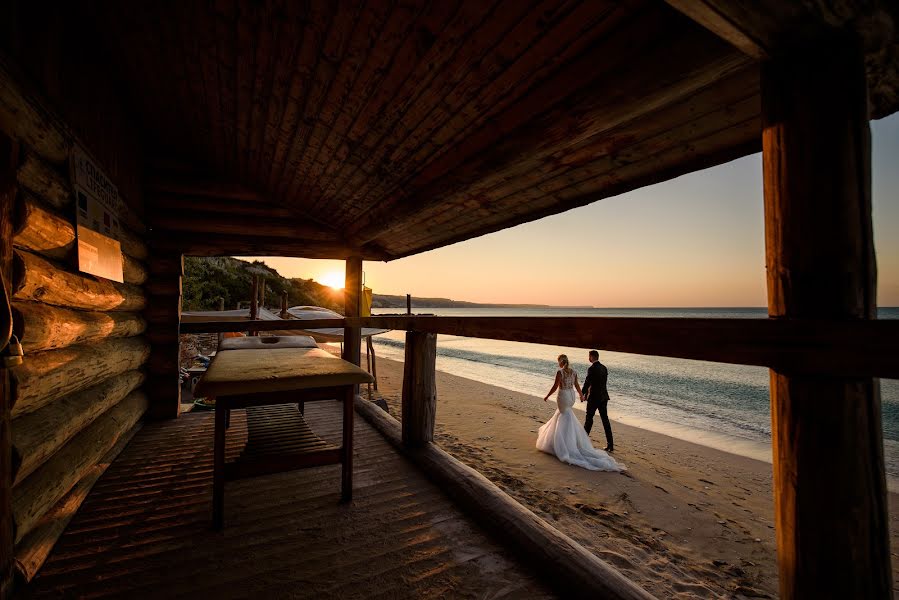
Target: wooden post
829	485
419	388
262	292
254	302
163	318
284	314
408	304
8	160
352	336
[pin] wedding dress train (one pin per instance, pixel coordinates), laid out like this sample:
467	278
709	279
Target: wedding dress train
564	437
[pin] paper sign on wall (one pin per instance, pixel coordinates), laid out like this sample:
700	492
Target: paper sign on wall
98	207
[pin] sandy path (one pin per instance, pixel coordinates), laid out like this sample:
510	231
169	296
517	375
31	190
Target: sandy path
687	521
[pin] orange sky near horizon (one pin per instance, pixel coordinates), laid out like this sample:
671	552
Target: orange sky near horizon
695	241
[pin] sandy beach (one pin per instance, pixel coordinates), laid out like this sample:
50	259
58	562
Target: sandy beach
686	521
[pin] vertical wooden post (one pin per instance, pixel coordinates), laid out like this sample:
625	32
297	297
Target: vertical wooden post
419	388
829	484
163	316
8	163
284	314
262	292
352	306
254	302
408	304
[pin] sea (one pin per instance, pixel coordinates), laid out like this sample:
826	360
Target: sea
718	405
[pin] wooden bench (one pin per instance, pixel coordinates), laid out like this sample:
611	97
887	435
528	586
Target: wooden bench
262	374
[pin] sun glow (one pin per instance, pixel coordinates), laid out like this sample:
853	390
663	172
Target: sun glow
332	279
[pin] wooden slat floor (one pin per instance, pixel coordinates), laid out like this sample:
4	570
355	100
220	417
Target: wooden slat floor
145	530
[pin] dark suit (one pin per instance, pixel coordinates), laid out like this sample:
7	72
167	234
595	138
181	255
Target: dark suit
597	395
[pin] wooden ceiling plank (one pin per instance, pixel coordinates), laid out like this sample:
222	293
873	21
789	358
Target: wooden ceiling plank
520	45
249	29
593	177
702	152
619	142
360	46
274	55
290	40
682	64
583	26
327	70
189	204
199	222
225	50
241	245
427	41
317	25
452	47
205	187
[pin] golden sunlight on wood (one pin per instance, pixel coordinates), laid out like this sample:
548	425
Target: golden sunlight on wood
332	279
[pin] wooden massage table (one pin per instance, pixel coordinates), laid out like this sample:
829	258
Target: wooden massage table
272	377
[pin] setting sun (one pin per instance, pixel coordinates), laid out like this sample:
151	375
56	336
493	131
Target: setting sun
333	279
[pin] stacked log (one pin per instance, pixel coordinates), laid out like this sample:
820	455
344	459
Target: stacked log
41	230
79	393
39	434
46	486
163	317
40	280
35	547
46	376
44	327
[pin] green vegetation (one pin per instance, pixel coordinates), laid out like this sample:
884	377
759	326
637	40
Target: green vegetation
208	279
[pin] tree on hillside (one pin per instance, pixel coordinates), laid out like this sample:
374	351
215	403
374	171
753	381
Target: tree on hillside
206	279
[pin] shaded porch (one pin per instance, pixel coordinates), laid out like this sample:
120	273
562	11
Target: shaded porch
146	527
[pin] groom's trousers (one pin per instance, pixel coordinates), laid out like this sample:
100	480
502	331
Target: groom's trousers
603	407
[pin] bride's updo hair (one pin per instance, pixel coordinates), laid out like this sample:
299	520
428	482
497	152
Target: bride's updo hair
563	362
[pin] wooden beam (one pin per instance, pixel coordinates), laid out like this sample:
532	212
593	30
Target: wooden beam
728	24
216	223
419	388
575	571
8	163
257	245
684	60
829	485
352	306
773	28
205	188
163	315
863	348
187	205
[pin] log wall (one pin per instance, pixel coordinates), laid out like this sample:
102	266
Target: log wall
81	389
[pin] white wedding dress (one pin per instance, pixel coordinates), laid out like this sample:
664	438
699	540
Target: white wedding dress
564	437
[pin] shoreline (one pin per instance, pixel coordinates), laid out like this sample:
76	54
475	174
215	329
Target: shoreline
686	521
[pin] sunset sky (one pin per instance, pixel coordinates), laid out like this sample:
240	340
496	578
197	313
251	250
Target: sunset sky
693	241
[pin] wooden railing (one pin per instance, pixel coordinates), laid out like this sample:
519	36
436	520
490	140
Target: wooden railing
844	348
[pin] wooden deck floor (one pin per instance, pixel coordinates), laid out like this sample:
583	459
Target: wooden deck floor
145	529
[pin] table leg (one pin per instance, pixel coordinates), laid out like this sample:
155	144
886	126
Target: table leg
218	474
347	458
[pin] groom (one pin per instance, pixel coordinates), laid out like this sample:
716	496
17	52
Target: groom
597	395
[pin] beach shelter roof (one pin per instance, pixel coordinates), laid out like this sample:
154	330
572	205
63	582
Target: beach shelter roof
381	130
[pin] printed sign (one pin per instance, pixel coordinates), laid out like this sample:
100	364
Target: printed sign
98	206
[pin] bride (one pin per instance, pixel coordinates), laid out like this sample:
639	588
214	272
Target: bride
563	436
